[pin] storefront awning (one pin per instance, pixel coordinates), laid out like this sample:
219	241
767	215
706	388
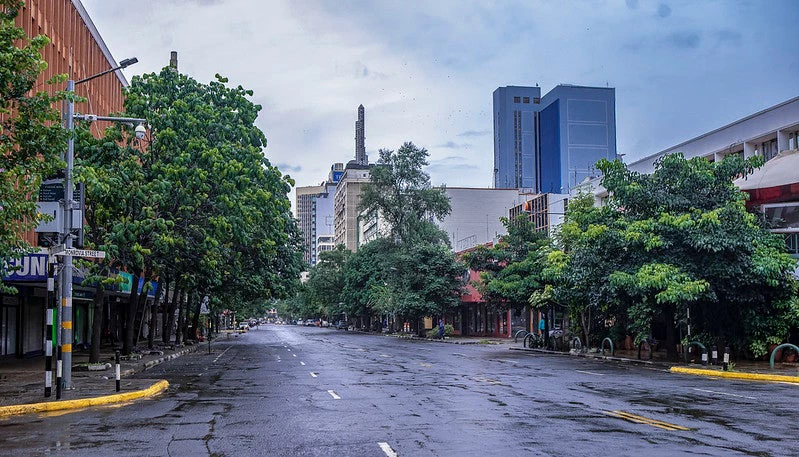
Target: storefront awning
776	181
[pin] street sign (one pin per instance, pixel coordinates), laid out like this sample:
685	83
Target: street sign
82	253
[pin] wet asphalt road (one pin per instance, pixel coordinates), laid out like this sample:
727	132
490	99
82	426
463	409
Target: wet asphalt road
300	391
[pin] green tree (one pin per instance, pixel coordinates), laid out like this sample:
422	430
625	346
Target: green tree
676	239
31	136
420	276
198	205
399	189
326	282
511	268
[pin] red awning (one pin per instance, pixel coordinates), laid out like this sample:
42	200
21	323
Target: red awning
776	181
782	170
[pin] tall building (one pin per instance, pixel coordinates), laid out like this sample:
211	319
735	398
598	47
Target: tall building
551	143
516	137
360	138
577	129
346	202
315	213
348	191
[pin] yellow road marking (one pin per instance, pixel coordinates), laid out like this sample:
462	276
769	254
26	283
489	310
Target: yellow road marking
645	420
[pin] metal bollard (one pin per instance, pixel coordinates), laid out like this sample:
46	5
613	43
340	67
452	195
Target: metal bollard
117	371
704	357
715	356
58	371
726	365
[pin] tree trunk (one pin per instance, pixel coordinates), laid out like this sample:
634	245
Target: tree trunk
140	307
97	324
166	323
671	337
154	317
585	320
179	330
130	316
195	321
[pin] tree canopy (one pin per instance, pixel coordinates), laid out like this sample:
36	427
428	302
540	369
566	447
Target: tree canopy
196	202
408	273
676	240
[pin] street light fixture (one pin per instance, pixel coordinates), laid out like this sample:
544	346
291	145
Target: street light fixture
69	205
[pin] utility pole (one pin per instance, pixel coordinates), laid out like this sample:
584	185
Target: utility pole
69	205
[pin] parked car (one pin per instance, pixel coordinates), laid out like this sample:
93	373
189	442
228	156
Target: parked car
342	325
244	327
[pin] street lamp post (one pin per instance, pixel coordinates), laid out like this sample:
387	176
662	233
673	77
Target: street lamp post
68	206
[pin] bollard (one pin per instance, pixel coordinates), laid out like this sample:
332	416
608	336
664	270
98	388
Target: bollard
715	356
117	371
726	365
58	365
704	357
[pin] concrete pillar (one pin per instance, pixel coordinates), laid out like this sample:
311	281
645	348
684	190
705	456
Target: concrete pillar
782	140
749	149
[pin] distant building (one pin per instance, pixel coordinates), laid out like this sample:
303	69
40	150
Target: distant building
324	243
360	138
516	137
348	191
346	202
550	144
545	211
315	212
475	215
371	226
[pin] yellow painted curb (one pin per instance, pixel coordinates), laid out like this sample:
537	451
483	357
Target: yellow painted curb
151	391
737	375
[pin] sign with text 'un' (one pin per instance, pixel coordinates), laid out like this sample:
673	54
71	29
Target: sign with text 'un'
32	267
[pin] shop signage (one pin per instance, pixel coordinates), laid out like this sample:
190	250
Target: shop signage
32	267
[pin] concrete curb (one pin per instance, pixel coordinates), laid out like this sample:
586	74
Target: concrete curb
151	391
736	375
596	356
147	365
447	340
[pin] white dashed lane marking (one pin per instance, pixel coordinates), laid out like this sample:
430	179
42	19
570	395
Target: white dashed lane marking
334	395
223	353
387	449
589	372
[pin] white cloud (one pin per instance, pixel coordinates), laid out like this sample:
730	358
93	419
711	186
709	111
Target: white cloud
425	71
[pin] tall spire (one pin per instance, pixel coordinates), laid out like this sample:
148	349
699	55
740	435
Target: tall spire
360	129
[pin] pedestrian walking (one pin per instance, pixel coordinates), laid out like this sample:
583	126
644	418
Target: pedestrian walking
441	329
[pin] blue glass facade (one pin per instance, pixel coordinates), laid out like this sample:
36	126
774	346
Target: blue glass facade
554	144
515	136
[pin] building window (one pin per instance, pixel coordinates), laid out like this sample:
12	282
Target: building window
517	99
770	149
526	99
793	140
536	100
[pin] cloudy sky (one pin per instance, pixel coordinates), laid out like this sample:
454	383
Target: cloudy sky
425	70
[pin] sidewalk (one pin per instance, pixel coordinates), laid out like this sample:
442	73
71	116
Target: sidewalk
22	380
742	370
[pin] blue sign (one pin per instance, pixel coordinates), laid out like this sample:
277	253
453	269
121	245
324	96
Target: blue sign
32	267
